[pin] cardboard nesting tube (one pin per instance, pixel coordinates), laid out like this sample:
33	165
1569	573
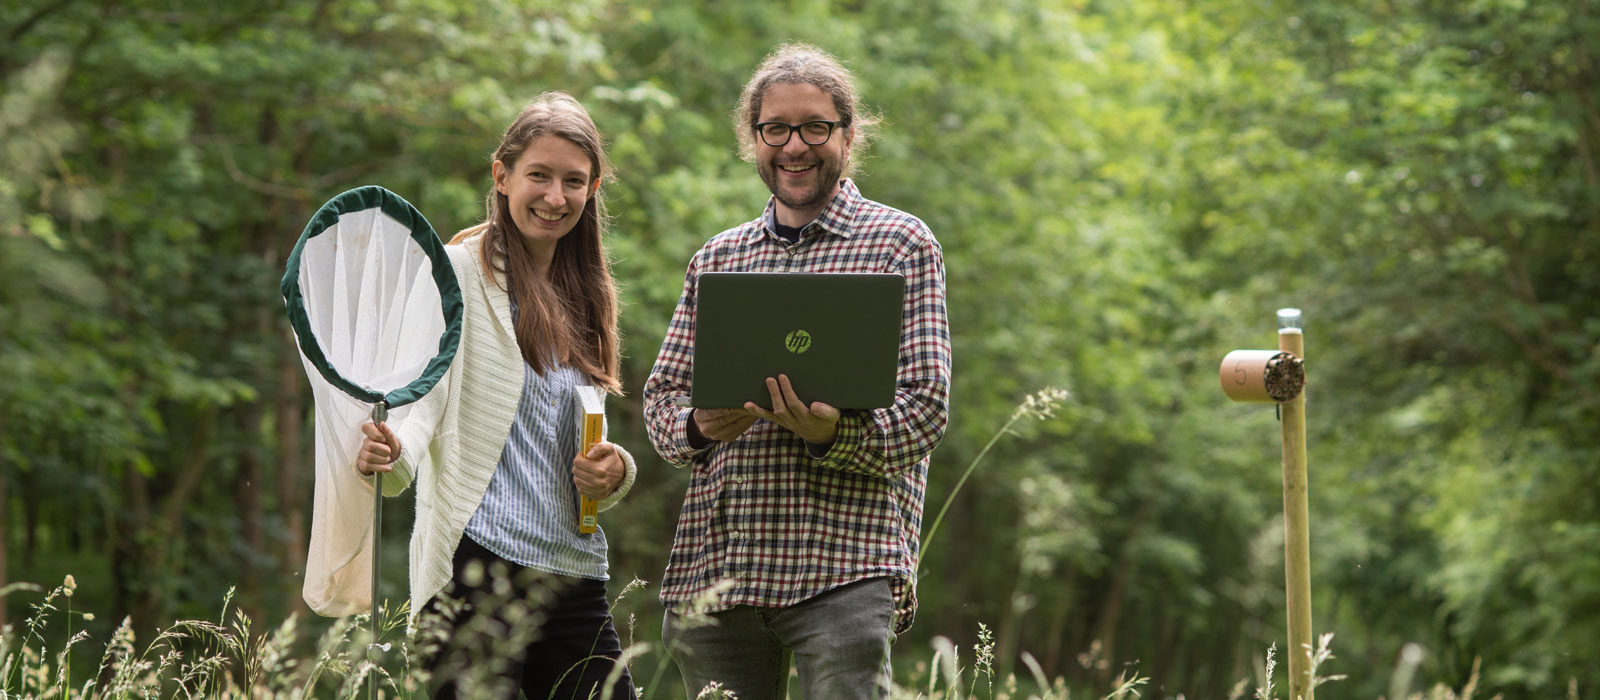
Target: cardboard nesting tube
1262	376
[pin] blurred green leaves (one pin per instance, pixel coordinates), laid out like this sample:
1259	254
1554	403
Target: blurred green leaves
1124	192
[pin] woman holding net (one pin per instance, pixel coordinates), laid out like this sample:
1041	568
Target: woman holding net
507	591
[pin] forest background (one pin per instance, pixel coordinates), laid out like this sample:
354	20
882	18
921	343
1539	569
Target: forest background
1125	191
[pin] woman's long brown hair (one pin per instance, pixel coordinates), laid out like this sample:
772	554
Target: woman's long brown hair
570	315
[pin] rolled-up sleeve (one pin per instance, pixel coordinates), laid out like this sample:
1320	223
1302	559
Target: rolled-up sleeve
670	379
886	441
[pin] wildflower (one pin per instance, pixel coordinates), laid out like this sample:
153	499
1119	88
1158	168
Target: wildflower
71	584
715	691
1041	405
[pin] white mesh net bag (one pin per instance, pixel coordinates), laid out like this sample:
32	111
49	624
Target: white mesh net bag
376	310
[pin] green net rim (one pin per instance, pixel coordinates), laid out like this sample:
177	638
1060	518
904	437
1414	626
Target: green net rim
444	276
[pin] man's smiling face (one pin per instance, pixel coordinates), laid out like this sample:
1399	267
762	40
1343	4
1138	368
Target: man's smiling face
802	177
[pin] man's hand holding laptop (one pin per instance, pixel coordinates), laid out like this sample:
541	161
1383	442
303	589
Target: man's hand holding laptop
816	423
720	424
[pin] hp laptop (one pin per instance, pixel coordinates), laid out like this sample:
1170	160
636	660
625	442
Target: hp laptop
836	335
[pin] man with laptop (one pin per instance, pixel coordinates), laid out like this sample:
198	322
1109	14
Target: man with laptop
806	391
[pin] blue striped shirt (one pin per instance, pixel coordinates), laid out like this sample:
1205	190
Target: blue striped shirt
529	514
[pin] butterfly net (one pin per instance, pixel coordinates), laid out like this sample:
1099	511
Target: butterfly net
376	311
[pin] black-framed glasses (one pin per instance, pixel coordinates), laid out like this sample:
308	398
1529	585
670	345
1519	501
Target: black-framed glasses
813	133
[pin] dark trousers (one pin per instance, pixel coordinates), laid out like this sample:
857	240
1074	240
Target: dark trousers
838	642
500	627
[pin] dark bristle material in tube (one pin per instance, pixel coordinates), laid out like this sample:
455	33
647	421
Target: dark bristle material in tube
1285	377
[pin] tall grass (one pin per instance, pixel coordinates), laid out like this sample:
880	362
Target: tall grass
227	658
189	658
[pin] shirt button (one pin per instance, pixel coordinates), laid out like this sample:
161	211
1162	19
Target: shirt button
738	479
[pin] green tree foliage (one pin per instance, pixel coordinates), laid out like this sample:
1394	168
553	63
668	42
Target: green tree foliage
1124	191
1471	198
205	138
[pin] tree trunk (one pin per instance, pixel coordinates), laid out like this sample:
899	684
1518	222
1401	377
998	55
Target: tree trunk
247	421
150	525
1058	629
291	477
131	590
1110	617
290	459
30	520
1166	644
1112	614
5	543
1079	635
247	499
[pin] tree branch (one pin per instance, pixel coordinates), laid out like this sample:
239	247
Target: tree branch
27	24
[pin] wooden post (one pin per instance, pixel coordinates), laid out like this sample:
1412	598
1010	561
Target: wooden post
1296	525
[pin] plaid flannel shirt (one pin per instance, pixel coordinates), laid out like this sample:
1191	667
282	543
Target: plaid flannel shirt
763	512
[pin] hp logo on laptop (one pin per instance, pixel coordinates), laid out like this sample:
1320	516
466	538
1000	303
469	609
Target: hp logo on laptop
797	341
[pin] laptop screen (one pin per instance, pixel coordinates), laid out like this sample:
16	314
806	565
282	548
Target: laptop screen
836	335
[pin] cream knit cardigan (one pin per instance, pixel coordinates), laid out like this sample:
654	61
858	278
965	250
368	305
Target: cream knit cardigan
463	423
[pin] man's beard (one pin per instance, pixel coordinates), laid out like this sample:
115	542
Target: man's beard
830	170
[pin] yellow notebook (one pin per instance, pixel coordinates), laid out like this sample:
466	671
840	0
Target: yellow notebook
591	422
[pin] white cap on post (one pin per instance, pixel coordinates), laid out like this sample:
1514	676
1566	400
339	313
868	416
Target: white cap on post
1289	320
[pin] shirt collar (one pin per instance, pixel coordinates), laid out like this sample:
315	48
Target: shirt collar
835	218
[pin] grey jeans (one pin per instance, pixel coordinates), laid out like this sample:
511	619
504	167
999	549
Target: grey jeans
838	641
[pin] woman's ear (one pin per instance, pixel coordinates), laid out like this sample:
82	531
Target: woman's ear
594	187
498	170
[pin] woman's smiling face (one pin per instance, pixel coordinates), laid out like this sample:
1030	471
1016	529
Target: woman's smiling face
545	191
